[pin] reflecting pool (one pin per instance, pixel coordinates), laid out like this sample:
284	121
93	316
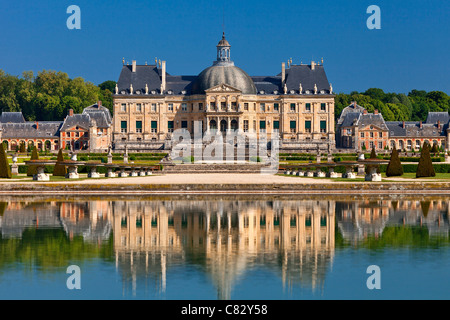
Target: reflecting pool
225	247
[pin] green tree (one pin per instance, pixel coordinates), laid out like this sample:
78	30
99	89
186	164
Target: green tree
5	170
60	170
32	170
394	168
108	85
425	166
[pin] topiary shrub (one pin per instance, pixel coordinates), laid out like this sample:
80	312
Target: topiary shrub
60	170
394	168
425	166
32	170
5	170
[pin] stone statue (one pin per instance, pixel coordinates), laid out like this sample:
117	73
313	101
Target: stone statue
285	89
131	89
331	88
315	89
300	89
146	89
117	89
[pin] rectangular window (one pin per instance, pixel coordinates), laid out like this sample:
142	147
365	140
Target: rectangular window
170	107
349	132
138	107
293	107
233	106
380	145
371	134
323	126
184	124
245	125
123	107
308	107
254	125
362	134
200	106
213	105
262	125
154	126
153	107
169	126
138	126
276	125
323	107
246	106
293	126
183	107
276	107
262	107
308	126
123	126
223	105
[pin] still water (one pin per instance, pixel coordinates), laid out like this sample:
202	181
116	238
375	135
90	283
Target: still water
225	247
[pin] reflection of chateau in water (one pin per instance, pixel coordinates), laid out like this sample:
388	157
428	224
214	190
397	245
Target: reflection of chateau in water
87	219
359	219
225	239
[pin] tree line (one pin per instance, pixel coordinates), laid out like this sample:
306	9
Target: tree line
48	95
396	106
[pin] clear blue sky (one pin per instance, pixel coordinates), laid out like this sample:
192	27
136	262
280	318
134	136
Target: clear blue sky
411	51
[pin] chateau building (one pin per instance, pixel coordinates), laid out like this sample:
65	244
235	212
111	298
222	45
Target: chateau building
357	129
297	104
90	130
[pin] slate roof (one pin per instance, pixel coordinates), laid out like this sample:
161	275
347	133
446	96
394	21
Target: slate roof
13	117
31	129
413	130
350	109
80	120
95	109
434	117
151	75
350	118
100	114
304	74
372	119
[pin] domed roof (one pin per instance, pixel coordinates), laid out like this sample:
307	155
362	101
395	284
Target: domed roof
223	74
223	42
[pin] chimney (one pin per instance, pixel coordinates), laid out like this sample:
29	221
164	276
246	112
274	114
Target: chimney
37	125
420	124
133	66
403	125
313	65
283	73
163	76
375	111
439	124
70	112
354	104
365	111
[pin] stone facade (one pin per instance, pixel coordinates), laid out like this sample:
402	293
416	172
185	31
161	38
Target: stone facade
149	104
359	130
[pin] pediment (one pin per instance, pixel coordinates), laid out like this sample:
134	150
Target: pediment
375	127
222	88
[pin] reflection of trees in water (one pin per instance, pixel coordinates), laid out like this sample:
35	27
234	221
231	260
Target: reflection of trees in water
403	221
40	234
